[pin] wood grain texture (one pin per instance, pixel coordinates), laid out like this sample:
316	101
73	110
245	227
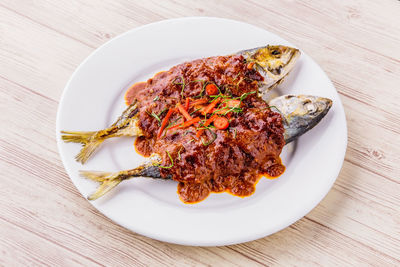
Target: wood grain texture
45	221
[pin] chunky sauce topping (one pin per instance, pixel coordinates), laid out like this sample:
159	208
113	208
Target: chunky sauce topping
205	155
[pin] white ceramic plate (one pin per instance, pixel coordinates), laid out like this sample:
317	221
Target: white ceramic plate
93	99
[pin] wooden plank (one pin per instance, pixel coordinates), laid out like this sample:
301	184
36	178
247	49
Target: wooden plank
354	210
365	148
22	247
37	57
308	243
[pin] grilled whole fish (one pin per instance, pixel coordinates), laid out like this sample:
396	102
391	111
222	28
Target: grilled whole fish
299	114
273	63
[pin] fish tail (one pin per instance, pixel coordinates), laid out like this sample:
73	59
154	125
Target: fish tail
107	181
77	137
90	141
88	149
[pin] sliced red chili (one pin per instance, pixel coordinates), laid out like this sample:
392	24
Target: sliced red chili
165	121
186	124
187	104
211	89
198	102
221	123
208	122
209	108
184	112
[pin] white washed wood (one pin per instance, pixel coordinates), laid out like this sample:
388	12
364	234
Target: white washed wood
45	220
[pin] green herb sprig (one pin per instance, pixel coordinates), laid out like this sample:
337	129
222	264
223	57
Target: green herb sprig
167	167
154	115
157	116
214	136
179	153
182	83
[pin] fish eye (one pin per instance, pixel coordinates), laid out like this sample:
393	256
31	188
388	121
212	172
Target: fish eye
275	52
310	107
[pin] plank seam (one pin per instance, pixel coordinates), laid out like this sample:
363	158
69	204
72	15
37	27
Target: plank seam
359	242
246	256
365	168
28	89
47	26
51	241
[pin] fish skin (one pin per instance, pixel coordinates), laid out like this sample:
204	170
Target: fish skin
299	114
272	62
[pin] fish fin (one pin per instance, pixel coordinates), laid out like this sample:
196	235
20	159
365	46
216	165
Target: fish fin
88	149
107	180
96	175
104	188
90	141
76	137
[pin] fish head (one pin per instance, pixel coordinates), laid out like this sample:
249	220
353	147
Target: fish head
273	62
300	113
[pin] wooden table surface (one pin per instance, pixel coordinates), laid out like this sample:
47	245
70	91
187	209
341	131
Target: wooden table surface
45	221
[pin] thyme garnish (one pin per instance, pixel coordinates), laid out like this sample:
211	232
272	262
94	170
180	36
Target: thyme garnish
162	111
214	136
219	96
173	123
203	88
182	83
187	132
179	153
166	167
194	111
237	75
196	81
246	95
206	127
240	80
156	117
270	107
